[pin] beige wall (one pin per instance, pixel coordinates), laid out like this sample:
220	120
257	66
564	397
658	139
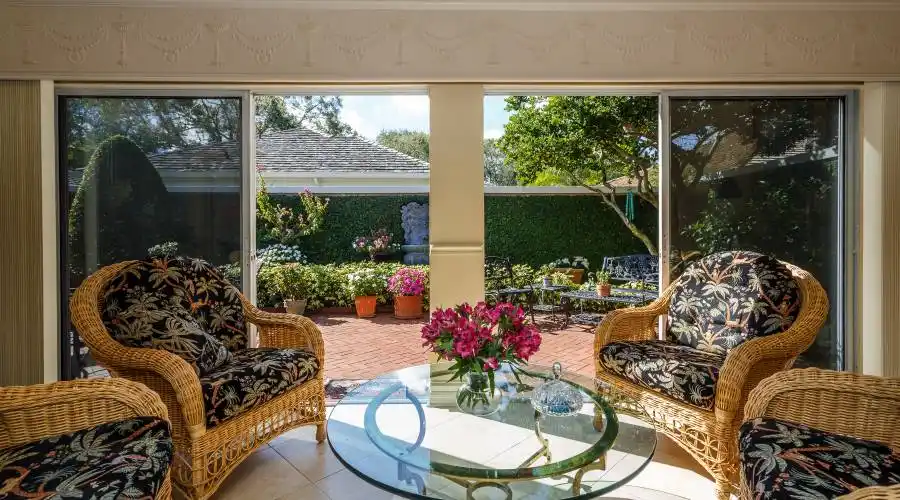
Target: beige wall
439	41
27	299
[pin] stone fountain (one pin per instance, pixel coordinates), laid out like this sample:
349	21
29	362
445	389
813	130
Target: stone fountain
414	218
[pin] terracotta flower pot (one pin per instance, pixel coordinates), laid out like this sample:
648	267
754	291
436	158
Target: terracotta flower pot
407	306
576	275
365	306
604	290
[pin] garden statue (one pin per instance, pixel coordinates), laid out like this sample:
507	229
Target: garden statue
414	218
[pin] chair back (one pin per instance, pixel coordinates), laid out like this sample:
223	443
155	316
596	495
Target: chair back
639	267
498	274
185	288
726	298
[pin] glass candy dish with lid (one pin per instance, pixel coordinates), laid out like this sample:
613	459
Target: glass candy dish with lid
556	397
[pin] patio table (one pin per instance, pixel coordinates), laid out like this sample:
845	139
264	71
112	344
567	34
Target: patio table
542	304
627	296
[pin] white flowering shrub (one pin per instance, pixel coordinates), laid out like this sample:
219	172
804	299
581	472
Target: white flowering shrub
280	254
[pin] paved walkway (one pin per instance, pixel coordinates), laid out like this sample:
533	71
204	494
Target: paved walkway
364	348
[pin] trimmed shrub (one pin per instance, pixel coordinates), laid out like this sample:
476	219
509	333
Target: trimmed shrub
532	230
132	204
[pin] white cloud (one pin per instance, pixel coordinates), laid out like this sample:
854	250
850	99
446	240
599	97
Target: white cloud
369	115
493	133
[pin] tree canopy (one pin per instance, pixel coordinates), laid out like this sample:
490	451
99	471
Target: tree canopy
160	124
590	141
409	142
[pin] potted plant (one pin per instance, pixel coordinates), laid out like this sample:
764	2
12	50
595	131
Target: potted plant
293	284
574	267
478	339
365	285
378	244
604	289
407	285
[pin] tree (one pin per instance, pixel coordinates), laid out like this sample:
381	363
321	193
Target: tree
497	170
586	141
128	202
320	113
592	140
409	142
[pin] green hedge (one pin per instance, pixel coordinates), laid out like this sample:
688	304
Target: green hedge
531	230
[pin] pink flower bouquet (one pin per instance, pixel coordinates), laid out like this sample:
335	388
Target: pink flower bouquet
477	339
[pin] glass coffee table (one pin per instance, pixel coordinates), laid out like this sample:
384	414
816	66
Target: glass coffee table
404	433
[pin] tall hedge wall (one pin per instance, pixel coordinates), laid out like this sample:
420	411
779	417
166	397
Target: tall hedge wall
530	230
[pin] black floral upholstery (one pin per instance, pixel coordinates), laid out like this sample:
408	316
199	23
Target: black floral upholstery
726	298
177	304
253	377
784	460
678	371
126	459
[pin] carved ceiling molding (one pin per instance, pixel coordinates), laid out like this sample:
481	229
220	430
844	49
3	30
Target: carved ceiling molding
215	43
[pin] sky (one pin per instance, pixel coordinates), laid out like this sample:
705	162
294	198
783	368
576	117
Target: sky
369	115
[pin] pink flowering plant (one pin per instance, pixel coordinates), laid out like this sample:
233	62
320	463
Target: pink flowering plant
477	339
379	242
408	281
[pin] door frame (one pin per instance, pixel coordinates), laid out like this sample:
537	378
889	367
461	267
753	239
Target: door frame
848	183
68	364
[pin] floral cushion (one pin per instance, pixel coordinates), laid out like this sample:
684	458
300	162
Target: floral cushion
784	460
726	298
253	377
167	303
678	371
126	459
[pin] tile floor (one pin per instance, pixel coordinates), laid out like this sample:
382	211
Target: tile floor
294	467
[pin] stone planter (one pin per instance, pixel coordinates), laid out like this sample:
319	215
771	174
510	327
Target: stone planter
295	306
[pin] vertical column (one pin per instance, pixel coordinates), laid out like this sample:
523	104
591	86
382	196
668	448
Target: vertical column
456	199
28	256
879	298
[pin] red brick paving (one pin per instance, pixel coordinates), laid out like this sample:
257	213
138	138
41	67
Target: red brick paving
364	348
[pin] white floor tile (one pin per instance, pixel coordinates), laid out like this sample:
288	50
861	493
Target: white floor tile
264	474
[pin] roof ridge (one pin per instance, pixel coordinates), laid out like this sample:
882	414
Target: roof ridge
392	150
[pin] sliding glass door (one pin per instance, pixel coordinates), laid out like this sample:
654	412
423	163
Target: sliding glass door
765	174
149	175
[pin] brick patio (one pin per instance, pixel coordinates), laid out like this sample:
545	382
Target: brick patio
364	348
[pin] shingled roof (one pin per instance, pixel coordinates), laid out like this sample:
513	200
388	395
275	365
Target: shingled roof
295	150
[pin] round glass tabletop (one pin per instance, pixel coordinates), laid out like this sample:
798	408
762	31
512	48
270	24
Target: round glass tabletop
404	433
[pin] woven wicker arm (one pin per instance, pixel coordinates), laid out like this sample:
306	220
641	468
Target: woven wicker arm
862	406
633	323
874	493
747	364
163	371
286	331
31	413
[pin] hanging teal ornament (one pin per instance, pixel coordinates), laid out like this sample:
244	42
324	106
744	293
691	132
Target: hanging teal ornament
629	205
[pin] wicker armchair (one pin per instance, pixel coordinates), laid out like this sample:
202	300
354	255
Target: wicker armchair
839	403
208	444
704	420
29	414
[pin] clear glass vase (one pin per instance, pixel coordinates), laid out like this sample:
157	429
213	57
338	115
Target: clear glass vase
474	396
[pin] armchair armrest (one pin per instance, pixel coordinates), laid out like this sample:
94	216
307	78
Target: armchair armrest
286	331
862	406
157	368
30	413
635	323
874	493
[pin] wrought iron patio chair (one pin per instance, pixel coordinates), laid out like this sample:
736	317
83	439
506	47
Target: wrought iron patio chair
499	284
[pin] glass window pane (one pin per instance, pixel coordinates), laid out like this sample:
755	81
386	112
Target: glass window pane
761	174
145	176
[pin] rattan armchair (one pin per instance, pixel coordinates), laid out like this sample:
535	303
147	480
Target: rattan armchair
32	413
205	455
709	435
842	403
